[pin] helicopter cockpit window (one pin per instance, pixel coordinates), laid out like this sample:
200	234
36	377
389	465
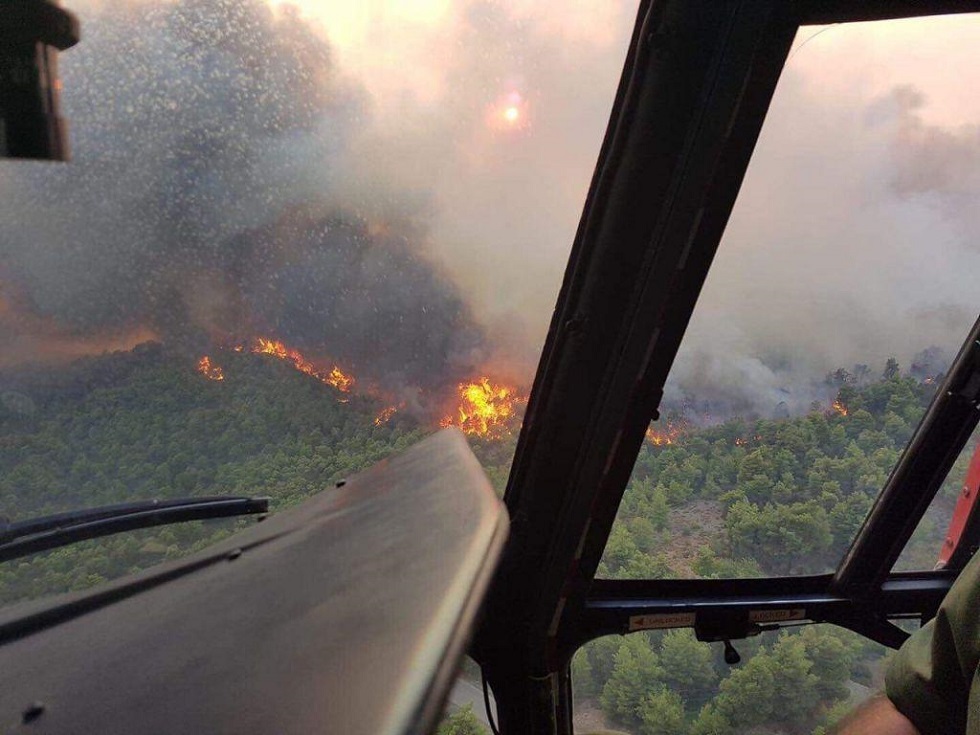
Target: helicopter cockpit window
938	534
840	293
294	238
802	680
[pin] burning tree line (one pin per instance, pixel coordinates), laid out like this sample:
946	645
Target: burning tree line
227	213
482	407
926	371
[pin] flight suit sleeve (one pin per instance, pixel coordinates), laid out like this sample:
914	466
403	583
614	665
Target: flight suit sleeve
930	678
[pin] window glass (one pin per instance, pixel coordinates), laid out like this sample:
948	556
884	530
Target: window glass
798	680
294	237
466	712
839	295
932	541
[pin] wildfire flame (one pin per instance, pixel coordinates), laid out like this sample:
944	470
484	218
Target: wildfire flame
662	437
339	379
384	415
839	407
209	370
659	438
335	376
485	408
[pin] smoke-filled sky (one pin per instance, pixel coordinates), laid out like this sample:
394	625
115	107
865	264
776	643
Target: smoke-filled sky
397	183
855	236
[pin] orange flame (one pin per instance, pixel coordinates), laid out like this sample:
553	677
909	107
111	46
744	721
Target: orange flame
659	438
209	370
839	407
664	437
335	376
485	408
339	379
384	415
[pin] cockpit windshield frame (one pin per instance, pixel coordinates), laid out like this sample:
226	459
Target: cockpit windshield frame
697	84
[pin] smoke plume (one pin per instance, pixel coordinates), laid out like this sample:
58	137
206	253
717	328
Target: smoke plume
354	180
204	204
854	238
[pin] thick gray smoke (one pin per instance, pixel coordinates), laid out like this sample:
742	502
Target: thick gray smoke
854	239
237	173
204	204
827	262
319	281
936	165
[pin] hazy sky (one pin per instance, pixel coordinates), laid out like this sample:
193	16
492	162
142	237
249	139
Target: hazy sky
856	235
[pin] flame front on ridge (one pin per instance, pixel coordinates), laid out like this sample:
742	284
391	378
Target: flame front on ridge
335	376
384	415
661	437
209	370
485	408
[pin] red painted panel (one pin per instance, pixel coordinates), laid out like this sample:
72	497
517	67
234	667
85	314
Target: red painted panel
964	506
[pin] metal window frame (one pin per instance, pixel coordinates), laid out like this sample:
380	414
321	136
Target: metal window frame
698	80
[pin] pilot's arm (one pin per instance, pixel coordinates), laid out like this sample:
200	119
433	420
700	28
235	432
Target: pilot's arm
877	716
931	684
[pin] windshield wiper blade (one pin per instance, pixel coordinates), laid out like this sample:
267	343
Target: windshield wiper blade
19	529
34	535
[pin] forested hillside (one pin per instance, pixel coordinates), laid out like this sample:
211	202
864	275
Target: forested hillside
740	497
668	683
146	425
747	499
773	497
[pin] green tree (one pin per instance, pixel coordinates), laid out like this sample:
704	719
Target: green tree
621	549
645	566
710	722
832	659
795	687
461	722
746	696
583	683
636	672
659	509
602	656
892	369
644	533
835	714
662	713
688	668
711	566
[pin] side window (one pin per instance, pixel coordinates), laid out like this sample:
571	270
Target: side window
937	534
800	680
465	712
294	238
839	295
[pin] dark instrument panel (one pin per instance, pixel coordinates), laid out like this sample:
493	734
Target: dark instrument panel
346	614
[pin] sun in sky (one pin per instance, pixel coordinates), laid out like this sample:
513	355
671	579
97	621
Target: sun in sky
508	112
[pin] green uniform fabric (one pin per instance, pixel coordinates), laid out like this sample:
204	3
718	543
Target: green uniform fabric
933	679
